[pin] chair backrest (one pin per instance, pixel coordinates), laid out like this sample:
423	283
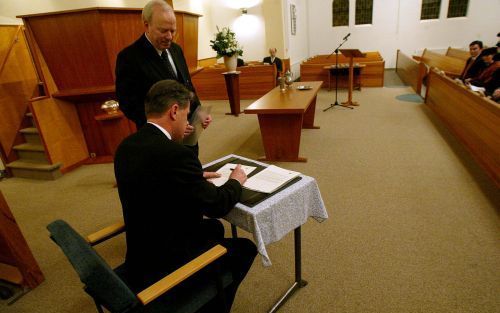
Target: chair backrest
99	279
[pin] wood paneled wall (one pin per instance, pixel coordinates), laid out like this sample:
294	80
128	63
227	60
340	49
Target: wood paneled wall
473	119
18	83
255	81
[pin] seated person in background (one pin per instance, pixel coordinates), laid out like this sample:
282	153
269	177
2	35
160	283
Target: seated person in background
164	196
496	95
475	64
240	62
487	77
273	59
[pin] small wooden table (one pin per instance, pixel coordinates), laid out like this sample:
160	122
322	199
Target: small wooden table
233	91
282	115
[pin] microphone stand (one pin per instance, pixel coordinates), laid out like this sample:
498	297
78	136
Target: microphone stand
336	51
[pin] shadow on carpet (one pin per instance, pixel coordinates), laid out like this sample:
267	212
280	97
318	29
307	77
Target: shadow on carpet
410	97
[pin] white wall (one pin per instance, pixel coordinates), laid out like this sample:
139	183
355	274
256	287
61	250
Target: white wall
397	25
297	46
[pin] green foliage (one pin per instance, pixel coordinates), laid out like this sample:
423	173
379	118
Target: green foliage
225	43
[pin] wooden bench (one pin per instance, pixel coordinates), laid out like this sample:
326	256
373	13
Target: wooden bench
372	75
452	66
255	81
475	120
410	71
458	53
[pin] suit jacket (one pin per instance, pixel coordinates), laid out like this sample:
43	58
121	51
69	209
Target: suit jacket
164	198
473	68
138	67
277	61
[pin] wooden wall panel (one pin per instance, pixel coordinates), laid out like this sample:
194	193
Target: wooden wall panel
7	35
190	38
18	83
255	81
473	119
74	49
371	76
120	28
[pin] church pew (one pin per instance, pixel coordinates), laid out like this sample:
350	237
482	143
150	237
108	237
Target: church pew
255	81
410	71
473	119
451	66
372	75
457	53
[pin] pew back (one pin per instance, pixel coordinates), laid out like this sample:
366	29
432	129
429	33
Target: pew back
458	53
450	65
473	119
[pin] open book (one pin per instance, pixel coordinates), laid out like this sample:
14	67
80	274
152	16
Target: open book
270	179
226	171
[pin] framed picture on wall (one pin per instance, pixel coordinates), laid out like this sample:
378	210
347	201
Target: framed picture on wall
293	19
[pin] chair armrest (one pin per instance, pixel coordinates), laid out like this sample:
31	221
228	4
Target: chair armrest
173	279
106	233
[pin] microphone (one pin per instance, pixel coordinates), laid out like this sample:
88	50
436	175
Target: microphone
347	36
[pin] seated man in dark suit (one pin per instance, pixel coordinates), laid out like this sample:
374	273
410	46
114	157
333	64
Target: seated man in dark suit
273	59
474	65
165	195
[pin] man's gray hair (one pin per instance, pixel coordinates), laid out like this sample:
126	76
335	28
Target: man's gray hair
147	12
165	93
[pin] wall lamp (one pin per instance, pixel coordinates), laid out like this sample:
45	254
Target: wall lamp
244	11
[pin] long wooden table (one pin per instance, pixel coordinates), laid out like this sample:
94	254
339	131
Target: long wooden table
282	115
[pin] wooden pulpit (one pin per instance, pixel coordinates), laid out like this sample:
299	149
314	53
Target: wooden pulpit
75	53
351	54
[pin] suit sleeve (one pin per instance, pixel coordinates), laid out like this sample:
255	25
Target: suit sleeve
279	65
128	89
213	201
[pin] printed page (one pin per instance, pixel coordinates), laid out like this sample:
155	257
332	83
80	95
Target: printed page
270	179
226	171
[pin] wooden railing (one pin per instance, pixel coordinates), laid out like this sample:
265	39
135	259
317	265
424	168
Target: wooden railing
473	119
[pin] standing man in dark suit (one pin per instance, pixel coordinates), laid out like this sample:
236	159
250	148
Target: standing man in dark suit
153	57
273	59
164	196
475	64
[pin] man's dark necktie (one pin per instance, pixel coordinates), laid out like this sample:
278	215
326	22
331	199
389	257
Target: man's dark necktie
164	57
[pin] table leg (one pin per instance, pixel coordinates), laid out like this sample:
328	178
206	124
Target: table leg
281	136
299	282
308	120
234	231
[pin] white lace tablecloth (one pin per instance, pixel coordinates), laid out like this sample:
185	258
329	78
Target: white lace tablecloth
276	216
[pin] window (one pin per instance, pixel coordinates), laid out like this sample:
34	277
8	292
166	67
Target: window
457	8
364	11
430	9
340	13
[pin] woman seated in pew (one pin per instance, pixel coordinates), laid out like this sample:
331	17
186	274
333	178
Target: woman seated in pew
489	77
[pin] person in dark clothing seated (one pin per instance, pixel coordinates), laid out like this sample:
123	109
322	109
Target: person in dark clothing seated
165	195
273	59
489	76
474	65
240	62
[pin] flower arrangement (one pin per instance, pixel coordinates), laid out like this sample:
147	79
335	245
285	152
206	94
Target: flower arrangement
225	43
